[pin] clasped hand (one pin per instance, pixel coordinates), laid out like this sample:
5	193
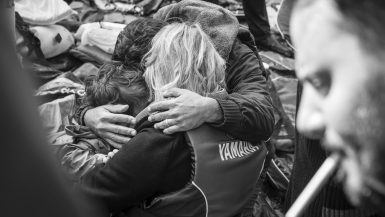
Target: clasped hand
182	110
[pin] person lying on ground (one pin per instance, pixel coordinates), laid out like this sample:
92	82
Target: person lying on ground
114	84
153	164
247	113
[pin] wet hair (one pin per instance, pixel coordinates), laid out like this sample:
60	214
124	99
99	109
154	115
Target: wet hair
365	19
183	56
135	41
115	84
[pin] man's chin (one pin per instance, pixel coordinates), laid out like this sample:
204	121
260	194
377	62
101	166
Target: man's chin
353	188
349	176
353	194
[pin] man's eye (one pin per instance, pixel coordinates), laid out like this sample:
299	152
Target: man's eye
321	83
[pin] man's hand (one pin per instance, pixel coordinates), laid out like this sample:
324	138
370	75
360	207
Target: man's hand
183	111
108	123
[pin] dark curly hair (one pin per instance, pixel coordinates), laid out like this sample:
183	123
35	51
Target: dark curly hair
135	41
115	84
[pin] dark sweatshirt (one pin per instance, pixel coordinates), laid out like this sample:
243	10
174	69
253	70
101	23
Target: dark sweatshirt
150	164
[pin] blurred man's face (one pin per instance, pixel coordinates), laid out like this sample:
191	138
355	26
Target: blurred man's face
343	100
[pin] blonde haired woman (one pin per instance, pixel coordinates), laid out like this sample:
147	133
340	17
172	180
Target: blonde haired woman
183	56
153	164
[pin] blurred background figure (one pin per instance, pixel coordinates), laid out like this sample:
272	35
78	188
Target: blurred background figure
32	184
340	60
257	19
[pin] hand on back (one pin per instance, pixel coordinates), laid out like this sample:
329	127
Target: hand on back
183	110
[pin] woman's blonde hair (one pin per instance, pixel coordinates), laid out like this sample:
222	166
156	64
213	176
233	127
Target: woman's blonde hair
183	56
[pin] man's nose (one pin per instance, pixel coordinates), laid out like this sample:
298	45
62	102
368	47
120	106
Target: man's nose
310	119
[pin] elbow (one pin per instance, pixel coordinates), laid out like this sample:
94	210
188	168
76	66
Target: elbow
264	125
268	125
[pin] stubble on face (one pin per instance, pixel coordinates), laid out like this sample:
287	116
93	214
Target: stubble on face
361	124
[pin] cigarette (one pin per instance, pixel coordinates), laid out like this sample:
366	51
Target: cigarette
315	185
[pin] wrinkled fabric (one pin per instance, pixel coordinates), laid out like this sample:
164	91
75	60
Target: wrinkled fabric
92	54
104	5
87	69
59	84
105	39
43	12
62	86
81	155
55	114
42	74
63	62
150	6
101	35
283	92
86	13
85	28
54	39
114	17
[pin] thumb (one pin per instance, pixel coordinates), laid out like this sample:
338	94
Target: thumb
117	109
172	93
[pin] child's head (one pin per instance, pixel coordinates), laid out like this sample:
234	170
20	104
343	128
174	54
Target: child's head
114	84
135	40
183	56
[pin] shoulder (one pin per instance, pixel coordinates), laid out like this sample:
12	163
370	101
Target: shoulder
151	138
240	50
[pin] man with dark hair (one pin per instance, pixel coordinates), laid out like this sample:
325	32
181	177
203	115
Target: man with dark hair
114	84
132	43
340	61
117	84
135	40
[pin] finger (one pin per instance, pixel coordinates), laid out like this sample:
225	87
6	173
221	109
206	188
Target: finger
120	130
161	106
99	158
173	129
173	92
121	118
157	117
165	124
105	159
121	139
116	108
110	154
114	144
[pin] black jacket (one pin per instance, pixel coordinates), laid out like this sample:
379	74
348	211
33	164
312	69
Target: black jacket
248	111
150	164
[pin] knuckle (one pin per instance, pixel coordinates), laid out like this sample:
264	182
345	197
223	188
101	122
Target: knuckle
104	118
99	126
158	117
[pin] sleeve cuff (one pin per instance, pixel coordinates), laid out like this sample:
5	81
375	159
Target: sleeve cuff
231	114
82	113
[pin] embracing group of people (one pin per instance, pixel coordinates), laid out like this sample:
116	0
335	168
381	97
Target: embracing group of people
175	125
